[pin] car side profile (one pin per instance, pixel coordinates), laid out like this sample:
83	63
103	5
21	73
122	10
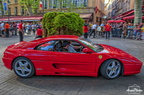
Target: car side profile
68	55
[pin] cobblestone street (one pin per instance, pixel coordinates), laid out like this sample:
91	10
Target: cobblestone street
10	84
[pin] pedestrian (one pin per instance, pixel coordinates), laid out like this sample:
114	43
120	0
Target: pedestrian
29	28
2	29
85	30
102	29
39	33
98	29
11	29
135	32
90	28
138	35
130	28
114	29
107	30
142	32
93	30
120	29
15	28
33	28
124	30
7	26
20	29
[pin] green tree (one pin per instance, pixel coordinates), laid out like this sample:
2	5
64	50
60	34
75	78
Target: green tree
1	7
60	23
30	5
138	11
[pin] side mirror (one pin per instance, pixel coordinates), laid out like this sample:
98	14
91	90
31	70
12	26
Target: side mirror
86	50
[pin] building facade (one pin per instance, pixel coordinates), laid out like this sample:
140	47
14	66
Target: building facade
92	10
120	9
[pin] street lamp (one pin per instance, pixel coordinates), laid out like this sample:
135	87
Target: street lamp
43	6
8	15
8	10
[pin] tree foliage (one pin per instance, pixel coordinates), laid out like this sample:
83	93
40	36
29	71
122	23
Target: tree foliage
30	5
1	7
138	11
60	23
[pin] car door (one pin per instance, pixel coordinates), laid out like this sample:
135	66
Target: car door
43	57
74	63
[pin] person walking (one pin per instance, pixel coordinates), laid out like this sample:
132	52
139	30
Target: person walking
29	28
7	26
2	29
107	30
99	30
15	28
33	28
20	29
142	32
85	30
102	29
124	30
130	28
93	30
120	30
39	33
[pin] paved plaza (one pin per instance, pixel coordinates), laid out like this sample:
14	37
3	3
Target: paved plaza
10	84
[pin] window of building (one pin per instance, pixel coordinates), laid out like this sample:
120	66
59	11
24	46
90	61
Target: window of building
50	3
9	11
66	3
45	4
85	3
75	3
80	3
16	1
16	10
22	10
53	3
8	1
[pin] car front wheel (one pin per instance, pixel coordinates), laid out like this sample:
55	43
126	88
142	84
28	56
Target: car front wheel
111	69
23	67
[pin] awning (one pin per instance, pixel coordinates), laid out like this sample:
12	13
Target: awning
85	15
131	17
131	13
25	18
124	14
128	13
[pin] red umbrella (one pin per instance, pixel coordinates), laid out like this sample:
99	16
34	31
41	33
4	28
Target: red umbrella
110	21
118	21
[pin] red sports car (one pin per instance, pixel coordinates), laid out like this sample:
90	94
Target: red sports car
69	55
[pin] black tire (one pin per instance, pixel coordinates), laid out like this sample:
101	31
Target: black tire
111	69
23	67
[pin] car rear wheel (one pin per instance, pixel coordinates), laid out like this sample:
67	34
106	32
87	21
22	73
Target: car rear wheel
23	67
111	69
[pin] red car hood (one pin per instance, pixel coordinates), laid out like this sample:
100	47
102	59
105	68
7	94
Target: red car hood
116	51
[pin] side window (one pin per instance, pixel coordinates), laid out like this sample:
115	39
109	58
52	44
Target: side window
72	46
61	46
48	46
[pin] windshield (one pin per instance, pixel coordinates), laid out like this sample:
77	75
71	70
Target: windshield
95	47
